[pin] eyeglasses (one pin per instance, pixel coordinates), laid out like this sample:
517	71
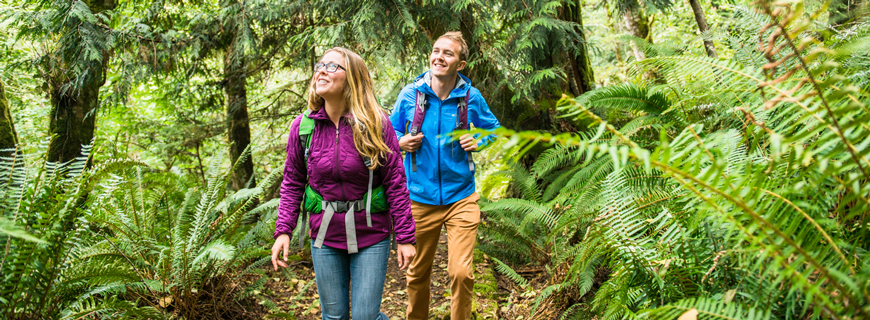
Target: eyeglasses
331	67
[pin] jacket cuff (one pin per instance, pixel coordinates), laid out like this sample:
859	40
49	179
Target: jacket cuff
406	239
282	229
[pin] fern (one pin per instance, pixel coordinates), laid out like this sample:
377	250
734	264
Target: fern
704	308
737	176
510	273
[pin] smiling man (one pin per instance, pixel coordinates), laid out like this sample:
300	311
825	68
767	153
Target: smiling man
440	171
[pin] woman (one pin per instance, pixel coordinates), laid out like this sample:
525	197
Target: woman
350	149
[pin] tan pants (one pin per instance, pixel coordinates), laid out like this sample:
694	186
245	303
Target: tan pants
460	219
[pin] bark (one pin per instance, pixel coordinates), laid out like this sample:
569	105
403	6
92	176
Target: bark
703	27
73	118
8	136
638	26
583	77
74	108
238	123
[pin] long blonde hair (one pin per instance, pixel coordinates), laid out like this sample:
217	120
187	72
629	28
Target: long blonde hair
359	97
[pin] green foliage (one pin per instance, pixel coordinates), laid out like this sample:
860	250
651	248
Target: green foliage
181	247
510	273
45	204
118	241
744	198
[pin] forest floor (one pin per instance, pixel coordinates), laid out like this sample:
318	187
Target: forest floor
292	293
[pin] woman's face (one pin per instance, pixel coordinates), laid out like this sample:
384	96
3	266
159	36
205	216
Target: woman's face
330	84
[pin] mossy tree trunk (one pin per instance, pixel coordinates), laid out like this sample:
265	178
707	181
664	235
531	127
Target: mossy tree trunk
582	77
73	119
637	24
8	136
74	102
703	27
238	123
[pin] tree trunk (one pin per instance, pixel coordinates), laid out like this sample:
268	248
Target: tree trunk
238	124
703	27
638	26
583	77
74	107
8	136
482	74
73	119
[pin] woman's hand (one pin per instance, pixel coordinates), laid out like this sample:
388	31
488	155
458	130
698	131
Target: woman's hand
282	243
406	252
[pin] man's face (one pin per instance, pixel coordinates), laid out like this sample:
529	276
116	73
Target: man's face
444	58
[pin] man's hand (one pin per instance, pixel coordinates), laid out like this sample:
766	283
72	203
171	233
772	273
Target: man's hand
281	244
410	143
406	252
468	142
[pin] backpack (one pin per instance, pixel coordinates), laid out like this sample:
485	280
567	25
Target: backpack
313	202
420	106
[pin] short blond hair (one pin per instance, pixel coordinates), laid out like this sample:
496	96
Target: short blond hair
457	37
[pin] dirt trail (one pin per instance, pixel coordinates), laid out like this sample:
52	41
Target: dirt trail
294	292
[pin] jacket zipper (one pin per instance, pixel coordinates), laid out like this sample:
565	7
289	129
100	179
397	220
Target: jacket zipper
438	148
336	163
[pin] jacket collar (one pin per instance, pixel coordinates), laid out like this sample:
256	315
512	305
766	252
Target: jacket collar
320	114
423	83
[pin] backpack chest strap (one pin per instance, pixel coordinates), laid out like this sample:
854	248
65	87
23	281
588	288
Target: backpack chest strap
331	207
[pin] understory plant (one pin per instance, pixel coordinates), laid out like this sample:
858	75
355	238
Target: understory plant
121	241
45	204
186	252
726	189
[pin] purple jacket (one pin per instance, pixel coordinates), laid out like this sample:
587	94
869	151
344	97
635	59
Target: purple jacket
337	172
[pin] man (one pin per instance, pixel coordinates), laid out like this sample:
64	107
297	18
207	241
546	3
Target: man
440	171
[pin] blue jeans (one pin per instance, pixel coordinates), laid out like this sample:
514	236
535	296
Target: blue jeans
335	270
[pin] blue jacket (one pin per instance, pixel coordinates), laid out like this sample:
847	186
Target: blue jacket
442	175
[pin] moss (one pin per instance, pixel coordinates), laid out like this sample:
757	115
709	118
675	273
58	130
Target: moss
8	137
486	285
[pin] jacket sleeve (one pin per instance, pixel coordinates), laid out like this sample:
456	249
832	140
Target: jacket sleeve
396	189
293	184
397	118
481	116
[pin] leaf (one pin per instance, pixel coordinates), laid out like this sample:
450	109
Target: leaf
729	295
692	314
11	229
165	301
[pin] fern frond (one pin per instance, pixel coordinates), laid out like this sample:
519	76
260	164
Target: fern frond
705	308
510	273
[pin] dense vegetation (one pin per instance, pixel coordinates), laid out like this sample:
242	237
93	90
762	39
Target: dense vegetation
658	159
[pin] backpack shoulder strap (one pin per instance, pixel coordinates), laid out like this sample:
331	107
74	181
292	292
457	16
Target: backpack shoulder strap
420	105
306	128
462	113
462	123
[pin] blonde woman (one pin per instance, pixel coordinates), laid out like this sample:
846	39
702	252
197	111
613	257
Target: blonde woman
343	160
